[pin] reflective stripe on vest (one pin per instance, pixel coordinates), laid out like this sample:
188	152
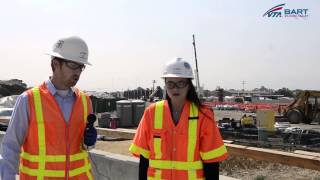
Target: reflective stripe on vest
192	139
139	150
214	153
85	115
53	158
191	166
54	173
43	158
158	121
177	165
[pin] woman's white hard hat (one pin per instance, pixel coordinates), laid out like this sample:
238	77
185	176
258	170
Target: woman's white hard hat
178	67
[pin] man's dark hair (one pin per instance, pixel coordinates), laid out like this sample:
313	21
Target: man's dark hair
57	59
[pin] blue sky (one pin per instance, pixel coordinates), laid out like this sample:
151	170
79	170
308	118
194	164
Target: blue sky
130	41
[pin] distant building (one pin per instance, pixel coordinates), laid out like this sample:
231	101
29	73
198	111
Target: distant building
249	93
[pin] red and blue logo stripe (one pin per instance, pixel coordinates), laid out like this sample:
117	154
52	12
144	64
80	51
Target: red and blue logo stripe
276	8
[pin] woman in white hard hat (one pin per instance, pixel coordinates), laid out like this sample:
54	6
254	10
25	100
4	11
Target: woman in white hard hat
178	138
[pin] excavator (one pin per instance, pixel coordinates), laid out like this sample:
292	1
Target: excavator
152	97
305	108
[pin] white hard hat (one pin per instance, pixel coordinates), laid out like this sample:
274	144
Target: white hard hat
177	67
72	49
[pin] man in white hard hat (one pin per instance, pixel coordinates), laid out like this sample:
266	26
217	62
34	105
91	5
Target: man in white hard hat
48	130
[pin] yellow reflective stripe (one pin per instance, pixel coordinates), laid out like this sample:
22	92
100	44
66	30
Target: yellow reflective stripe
53	158
54	173
157	174
157	148
214	153
178	165
79	156
48	173
158	121
192	132
159	178
86	168
138	150
85	115
192	175
192	138
85	106
158	117
41	131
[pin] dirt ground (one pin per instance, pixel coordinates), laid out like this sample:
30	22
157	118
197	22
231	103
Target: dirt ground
237	167
117	147
247	169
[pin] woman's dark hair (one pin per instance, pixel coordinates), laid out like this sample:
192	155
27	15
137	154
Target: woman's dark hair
191	95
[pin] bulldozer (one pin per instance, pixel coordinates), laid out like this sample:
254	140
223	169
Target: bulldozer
305	108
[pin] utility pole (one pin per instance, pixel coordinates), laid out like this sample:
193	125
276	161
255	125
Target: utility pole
243	83
197	70
153	82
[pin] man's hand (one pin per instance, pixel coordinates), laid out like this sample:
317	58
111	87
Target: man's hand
90	136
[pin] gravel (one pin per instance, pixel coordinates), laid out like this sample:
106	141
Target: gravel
236	166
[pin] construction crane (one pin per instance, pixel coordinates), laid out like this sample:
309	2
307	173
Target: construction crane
199	90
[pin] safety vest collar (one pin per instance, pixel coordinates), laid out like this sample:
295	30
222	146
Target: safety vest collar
78	98
184	117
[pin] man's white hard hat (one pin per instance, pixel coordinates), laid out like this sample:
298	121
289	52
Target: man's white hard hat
178	67
72	49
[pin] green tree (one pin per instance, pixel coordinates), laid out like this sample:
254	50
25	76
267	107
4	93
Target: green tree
284	91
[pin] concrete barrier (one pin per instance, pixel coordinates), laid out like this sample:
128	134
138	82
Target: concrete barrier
1	138
110	166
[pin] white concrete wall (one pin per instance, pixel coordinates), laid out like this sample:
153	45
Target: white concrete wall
109	166
1	137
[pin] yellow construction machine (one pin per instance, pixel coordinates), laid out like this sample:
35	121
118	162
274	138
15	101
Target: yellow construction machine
305	108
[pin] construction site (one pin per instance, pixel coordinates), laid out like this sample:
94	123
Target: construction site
266	138
77	77
267	135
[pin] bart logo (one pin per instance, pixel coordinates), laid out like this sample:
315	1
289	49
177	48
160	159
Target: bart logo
275	11
279	12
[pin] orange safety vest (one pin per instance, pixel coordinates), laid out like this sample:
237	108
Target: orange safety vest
52	148
178	152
